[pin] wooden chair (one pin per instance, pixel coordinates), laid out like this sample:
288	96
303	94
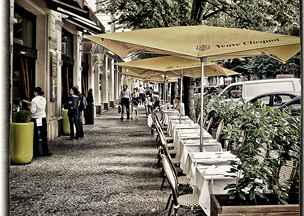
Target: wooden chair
219	130
176	200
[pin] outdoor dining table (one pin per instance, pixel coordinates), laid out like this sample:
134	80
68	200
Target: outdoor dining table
193	145
209	174
210	145
189	133
173	122
171	112
173	116
177	127
211	180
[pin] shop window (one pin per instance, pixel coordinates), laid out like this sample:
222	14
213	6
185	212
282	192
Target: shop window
68	64
24	57
67	44
24	28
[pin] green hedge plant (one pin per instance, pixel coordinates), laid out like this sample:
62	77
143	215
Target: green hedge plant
264	139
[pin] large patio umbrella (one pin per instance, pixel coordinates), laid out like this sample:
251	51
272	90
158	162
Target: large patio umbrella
206	43
172	67
158	78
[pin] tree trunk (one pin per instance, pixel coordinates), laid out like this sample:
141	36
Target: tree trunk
186	85
188	97
191	101
173	95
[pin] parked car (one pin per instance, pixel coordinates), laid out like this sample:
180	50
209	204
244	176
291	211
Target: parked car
293	105
274	99
248	90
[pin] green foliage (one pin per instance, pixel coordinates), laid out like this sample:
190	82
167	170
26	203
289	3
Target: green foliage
265	15
137	14
264	139
264	67
23	116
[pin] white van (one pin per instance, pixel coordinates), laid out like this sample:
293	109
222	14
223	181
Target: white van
247	90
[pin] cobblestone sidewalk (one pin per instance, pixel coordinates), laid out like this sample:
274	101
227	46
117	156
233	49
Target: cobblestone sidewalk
109	172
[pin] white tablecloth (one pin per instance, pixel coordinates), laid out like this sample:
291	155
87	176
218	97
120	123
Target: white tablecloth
187	150
177	127
171	112
211	180
173	122
216	158
208	172
192	146
188	134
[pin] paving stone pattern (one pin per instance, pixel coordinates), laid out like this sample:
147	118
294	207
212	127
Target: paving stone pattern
110	172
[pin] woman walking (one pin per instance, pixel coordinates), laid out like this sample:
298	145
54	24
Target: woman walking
89	112
125	97
134	103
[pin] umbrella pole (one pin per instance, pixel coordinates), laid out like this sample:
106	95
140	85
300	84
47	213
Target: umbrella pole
181	96
302	112
203	61
165	89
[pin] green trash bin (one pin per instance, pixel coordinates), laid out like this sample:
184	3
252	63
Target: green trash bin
22	139
66	123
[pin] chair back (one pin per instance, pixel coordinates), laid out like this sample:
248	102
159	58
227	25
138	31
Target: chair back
288	171
198	120
219	130
171	176
209	124
163	144
162	117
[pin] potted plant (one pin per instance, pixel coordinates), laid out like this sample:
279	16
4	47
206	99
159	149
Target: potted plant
265	140
22	137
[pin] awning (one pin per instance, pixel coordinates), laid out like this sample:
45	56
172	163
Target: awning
201	41
76	15
173	66
69	5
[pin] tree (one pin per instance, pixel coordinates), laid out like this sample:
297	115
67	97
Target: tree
269	15
266	15
280	16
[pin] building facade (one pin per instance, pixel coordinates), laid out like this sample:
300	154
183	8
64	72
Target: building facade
48	49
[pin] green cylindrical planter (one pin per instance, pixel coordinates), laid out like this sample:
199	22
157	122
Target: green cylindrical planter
66	123
22	138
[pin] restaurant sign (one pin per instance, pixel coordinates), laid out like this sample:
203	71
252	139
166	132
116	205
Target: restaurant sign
247	43
203	47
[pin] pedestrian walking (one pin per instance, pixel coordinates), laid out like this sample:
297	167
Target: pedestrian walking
89	111
73	112
125	97
149	104
156	100
134	103
82	105
38	106
141	94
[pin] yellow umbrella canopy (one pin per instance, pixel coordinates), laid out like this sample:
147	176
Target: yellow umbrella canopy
207	43
201	41
173	66
152	77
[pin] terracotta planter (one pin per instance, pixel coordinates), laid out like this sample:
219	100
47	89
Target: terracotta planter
220	209
22	137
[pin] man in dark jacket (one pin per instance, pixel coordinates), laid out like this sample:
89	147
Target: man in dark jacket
73	112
